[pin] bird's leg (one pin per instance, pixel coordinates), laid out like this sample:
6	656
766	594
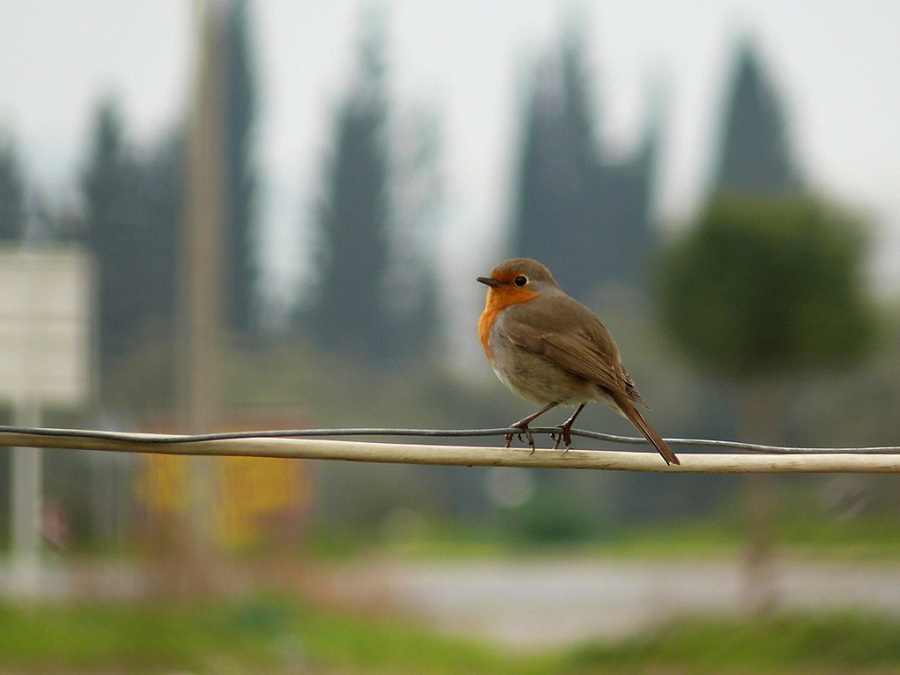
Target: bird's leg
566	427
523	425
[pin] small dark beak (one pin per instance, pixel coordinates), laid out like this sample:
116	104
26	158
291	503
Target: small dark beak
489	281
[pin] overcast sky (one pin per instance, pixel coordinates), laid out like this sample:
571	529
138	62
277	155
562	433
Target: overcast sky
836	64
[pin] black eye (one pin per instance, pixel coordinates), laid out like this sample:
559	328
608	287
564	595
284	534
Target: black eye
520	281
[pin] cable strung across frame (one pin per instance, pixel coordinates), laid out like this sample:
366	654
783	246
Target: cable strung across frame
431	433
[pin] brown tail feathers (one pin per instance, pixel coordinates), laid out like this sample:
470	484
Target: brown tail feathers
644	427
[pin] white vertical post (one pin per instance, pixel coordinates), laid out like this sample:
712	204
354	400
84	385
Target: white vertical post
46	338
25	507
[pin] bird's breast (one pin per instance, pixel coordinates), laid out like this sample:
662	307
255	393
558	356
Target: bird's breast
530	375
494	304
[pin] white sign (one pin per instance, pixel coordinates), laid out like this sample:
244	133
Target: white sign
45	325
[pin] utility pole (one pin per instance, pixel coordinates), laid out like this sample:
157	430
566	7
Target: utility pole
203	279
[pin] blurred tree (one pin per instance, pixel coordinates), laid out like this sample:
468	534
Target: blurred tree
757	291
763	287
754	152
374	291
587	218
549	198
353	217
132	220
12	194
49	220
132	210
754	161
416	199
161	194
241	266
145	376
111	228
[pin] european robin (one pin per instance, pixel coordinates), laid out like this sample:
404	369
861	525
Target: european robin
549	348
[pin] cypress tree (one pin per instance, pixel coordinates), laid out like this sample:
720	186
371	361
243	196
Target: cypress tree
587	218
12	194
241	266
111	228
754	153
353	218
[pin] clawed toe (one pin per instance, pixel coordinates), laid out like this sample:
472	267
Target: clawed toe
564	437
526	432
528	438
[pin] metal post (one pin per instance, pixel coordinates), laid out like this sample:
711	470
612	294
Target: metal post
25	507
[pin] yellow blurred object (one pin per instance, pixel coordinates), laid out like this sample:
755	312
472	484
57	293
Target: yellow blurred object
254	496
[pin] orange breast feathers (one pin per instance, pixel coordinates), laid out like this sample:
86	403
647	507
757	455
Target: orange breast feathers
497	300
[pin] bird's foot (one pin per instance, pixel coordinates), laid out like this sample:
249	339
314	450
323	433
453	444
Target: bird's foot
564	436
524	431
566	428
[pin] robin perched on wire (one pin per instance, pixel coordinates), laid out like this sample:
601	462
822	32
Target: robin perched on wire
551	349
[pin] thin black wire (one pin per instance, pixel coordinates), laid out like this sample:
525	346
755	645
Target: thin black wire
430	433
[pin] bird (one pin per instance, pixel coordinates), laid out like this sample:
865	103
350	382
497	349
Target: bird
550	349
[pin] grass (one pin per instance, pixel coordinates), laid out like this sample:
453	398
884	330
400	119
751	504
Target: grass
280	636
251	636
782	644
275	635
863	539
853	538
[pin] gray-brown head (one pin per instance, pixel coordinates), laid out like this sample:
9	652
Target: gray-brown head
520	273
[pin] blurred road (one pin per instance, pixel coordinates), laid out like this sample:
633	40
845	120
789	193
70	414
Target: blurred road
541	602
553	602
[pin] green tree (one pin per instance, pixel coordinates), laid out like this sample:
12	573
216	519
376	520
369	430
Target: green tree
161	206
12	194
762	288
586	217
132	212
759	291
416	204
354	218
549	199
241	266
375	222
111	227
754	153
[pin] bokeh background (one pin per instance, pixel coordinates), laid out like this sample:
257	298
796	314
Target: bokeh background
715	178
